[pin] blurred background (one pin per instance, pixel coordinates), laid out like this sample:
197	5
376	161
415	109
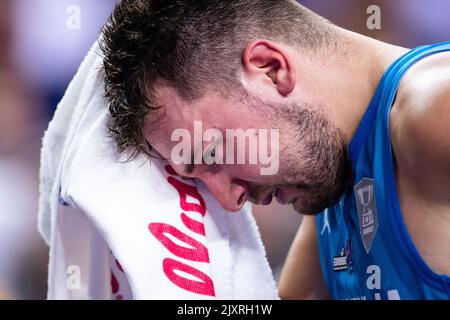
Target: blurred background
42	42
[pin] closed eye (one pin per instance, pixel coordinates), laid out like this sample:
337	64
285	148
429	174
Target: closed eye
189	168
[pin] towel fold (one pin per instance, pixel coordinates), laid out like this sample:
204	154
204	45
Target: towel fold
135	230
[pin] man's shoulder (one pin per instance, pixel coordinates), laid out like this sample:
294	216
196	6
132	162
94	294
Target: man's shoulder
420	135
426	81
420	118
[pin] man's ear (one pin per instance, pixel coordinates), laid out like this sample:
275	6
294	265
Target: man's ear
265	59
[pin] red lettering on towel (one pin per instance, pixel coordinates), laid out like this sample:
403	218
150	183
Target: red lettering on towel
197	252
115	284
185	190
194	251
205	286
193	225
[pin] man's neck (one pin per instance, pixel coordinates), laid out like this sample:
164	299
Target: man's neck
353	74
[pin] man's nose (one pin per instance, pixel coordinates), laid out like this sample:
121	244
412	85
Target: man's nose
230	193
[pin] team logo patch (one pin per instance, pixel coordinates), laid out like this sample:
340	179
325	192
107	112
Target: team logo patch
344	261
367	211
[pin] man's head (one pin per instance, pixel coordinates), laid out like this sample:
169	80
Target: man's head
236	64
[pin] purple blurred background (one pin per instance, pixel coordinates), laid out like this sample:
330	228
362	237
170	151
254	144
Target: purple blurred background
41	46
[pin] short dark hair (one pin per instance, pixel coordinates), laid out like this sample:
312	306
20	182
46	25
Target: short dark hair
193	46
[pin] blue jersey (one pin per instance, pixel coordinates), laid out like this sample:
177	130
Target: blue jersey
365	249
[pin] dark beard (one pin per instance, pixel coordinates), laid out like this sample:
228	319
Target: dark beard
325	168
318	197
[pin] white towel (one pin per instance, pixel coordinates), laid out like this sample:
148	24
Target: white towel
134	230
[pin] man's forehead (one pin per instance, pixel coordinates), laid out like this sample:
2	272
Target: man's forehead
169	115
179	109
